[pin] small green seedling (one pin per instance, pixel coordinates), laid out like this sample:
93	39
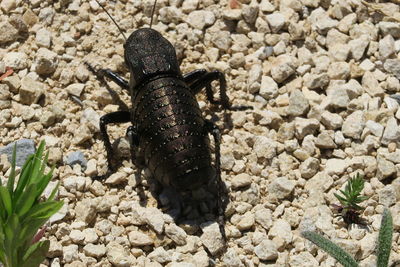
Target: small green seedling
23	213
344	258
351	197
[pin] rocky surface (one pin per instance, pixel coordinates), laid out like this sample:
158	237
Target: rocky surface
317	73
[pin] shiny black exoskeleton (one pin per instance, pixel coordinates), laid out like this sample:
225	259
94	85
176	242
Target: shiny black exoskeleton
168	135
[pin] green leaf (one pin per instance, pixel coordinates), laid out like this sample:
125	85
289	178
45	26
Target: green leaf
44	181
11	228
24	176
385	239
37	163
43	210
53	193
35	254
26	200
6	199
332	249
28	231
11	178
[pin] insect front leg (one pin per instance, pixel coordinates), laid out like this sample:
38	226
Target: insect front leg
199	79
100	73
114	117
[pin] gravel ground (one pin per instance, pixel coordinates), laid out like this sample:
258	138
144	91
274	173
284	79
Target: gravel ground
318	73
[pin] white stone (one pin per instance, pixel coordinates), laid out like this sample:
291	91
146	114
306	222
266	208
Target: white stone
177	234
392	132
139	239
212	237
276	21
200	18
266	250
16	60
269	88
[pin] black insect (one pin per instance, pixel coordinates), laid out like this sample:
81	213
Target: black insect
168	135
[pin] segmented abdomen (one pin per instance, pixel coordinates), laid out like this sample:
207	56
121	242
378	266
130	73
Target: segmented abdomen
172	136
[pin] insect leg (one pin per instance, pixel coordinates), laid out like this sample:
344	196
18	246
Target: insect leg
193	76
221	188
114	117
202	79
100	73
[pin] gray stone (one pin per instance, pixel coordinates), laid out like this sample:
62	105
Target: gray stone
24	148
76	157
241	180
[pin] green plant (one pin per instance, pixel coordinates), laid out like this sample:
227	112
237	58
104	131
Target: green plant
22	212
351	197
383	248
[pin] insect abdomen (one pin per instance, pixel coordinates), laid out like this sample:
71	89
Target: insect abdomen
173	139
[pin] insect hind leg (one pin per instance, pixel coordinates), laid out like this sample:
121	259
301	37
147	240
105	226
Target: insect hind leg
200	79
221	188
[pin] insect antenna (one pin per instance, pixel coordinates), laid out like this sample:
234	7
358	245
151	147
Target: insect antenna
116	24
152	13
